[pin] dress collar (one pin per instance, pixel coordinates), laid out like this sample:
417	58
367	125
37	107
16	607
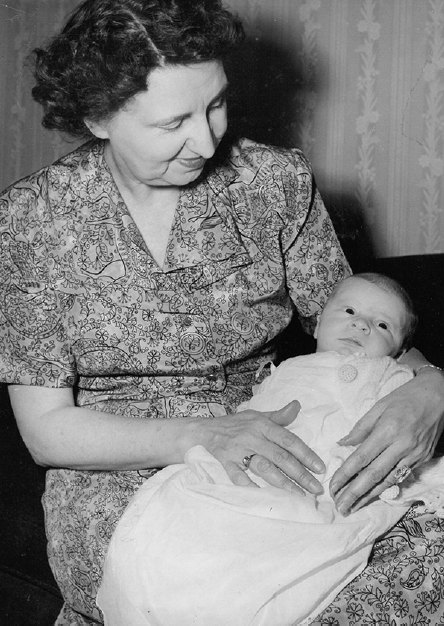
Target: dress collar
205	239
204	244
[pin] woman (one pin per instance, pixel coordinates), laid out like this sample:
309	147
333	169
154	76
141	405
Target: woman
146	278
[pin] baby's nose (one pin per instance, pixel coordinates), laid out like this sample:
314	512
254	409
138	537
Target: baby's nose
361	324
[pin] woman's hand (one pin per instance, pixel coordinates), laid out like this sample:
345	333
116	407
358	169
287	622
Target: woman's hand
60	434
402	429
279	456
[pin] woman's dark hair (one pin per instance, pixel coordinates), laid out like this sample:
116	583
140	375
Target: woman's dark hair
107	49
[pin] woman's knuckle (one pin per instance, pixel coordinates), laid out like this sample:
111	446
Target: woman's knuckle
280	480
281	457
354	494
288	439
376	476
362	459
263	465
240	479
299	476
391	430
268	429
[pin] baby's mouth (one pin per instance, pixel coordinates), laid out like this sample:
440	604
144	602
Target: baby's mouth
352	341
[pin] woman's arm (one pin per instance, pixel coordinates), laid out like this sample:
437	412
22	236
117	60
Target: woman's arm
59	434
402	428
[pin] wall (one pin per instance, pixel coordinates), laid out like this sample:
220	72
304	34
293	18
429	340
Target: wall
25	146
357	84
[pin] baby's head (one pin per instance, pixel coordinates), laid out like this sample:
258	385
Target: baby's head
368	314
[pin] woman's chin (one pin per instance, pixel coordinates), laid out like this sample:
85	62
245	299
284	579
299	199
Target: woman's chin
181	179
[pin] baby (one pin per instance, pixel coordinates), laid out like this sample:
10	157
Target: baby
193	548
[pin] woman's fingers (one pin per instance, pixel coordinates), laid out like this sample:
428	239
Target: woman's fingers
395	477
366	484
238	475
265	469
288	441
401	432
286	415
284	460
278	456
371	468
366	472
362	429
272	474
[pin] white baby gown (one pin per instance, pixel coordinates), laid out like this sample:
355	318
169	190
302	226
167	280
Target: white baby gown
194	549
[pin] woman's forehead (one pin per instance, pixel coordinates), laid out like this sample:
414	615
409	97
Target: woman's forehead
175	87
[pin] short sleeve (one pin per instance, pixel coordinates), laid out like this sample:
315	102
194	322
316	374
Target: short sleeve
314	258
279	208
34	349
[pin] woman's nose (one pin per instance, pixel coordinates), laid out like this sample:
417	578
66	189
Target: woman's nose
202	140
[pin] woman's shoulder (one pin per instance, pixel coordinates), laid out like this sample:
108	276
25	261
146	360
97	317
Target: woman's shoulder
85	156
249	153
65	166
50	183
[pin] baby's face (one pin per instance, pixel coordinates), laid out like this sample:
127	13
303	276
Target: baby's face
361	318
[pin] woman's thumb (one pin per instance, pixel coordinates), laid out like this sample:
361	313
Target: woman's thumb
287	414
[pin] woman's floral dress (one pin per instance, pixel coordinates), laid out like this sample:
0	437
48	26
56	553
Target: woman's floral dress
83	304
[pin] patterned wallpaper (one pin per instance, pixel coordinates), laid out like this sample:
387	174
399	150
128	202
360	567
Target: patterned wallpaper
357	84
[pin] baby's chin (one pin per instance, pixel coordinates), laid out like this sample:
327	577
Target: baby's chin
346	351
352	352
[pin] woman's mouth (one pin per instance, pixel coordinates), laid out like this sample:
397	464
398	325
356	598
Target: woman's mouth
196	163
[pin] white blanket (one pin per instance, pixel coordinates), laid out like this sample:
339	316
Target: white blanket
194	549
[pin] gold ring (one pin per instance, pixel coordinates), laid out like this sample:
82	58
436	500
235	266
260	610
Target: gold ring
247	460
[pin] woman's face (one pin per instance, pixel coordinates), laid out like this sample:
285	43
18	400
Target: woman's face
163	136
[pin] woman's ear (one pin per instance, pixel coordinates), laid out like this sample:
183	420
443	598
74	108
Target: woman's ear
98	129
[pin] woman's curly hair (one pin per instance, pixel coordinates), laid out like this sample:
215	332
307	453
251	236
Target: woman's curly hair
107	49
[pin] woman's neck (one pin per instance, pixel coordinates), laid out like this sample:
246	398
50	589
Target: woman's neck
151	207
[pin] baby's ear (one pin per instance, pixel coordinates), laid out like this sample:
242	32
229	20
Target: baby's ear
400	355
315	332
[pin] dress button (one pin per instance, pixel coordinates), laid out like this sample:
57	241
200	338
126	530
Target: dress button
192	343
187	321
212	378
347	372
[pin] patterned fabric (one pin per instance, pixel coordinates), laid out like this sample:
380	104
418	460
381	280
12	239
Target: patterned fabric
403	583
83	303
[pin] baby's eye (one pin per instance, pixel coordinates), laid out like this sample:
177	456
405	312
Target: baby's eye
349	310
383	325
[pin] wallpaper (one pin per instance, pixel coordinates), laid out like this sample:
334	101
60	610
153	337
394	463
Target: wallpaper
358	85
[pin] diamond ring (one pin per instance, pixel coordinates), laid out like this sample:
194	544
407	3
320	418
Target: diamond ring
401	474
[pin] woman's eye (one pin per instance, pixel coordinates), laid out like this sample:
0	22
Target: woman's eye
219	104
173	126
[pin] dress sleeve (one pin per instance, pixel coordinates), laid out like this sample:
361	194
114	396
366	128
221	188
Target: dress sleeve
34	348
314	259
